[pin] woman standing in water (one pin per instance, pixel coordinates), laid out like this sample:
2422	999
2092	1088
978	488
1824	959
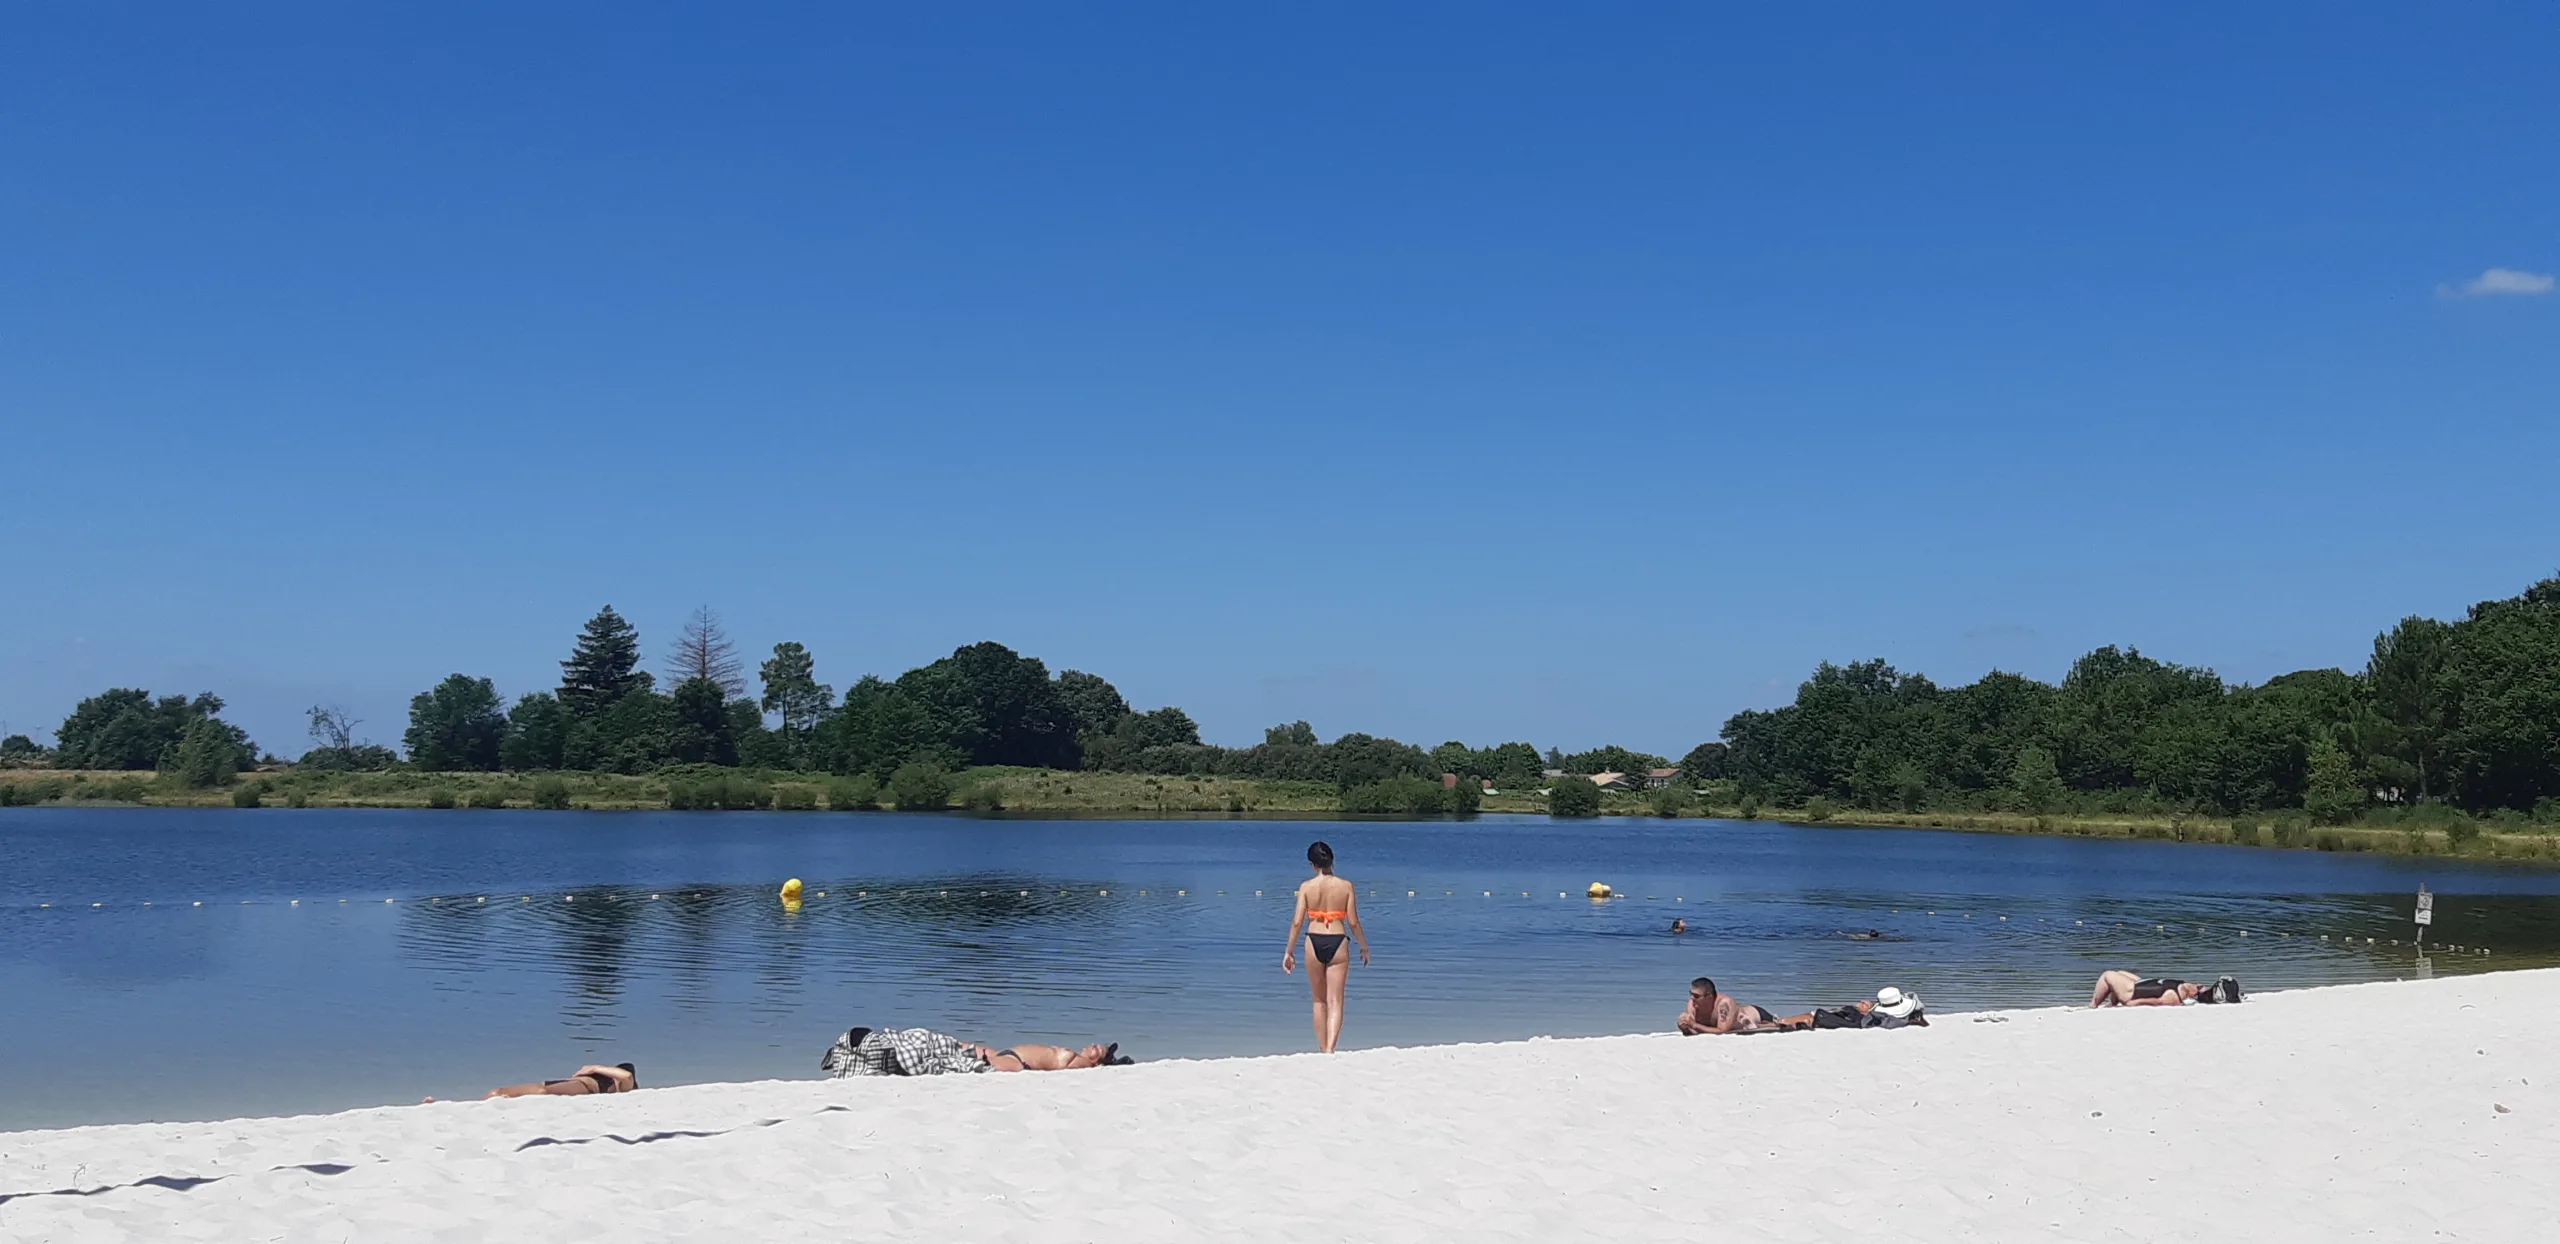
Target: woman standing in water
1327	906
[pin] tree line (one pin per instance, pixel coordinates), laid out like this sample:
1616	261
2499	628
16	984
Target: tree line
2465	713
985	704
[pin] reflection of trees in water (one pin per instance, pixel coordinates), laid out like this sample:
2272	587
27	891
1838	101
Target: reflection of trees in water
595	928
694	914
979	934
982	934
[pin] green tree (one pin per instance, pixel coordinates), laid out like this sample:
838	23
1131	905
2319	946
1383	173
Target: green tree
1707	762
1843	712
18	749
2333	796
2109	701
1458	758
2502	678
1514	766
1092	705
1910	786
879	728
920	786
537	734
208	754
127	729
701	731
2406	678
1360	759
1573	796
758	747
995	706
792	692
2034	783
1615	759
457	726
604	667
631	735
1295	734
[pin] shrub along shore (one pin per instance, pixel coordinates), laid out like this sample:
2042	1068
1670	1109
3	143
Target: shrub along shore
991	790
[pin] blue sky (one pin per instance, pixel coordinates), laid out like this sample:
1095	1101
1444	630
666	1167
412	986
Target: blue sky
1572	373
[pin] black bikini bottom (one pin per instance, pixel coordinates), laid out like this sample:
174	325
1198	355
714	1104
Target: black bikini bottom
1325	946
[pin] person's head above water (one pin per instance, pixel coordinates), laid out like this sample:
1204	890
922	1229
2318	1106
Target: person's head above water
1679	925
1321	855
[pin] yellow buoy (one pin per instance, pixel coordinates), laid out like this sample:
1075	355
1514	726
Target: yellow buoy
791	890
1600	889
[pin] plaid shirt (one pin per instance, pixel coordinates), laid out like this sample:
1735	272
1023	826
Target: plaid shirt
901	1052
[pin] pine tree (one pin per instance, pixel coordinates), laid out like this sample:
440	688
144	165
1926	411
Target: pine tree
605	665
703	651
792	690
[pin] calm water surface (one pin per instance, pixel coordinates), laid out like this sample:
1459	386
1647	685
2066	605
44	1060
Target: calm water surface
517	945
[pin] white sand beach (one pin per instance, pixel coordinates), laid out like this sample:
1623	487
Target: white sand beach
2410	1111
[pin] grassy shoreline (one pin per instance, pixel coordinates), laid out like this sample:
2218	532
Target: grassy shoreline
1035	791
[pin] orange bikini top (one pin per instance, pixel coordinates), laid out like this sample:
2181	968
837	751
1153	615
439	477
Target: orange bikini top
1328	915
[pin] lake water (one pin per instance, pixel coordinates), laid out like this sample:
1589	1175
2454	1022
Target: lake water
249	963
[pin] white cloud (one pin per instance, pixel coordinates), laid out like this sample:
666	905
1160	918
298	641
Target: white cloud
2497	281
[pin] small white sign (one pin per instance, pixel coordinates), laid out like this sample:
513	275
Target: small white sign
2426	916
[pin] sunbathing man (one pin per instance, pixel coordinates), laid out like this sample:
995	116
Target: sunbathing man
2123	988
924	1052
1710	1011
620	1078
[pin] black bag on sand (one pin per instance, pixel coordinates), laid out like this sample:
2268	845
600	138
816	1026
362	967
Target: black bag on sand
2227	989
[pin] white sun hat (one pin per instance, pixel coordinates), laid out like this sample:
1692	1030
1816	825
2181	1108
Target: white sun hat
1893	1002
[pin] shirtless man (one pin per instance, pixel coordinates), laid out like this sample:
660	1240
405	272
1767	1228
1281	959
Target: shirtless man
1710	1011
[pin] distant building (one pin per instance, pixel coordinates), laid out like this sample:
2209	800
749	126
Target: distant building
1448	781
1611	781
1656	779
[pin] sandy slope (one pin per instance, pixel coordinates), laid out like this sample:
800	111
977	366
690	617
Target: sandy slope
2362	1112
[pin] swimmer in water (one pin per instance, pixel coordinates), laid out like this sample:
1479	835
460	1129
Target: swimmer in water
1864	935
1679	925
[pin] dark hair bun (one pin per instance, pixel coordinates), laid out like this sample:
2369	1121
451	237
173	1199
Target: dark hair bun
1320	855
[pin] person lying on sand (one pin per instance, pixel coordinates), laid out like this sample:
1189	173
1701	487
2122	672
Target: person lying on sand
924	1052
1710	1011
1890	1008
2122	988
619	1078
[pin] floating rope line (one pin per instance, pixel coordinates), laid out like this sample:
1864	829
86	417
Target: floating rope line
2201	930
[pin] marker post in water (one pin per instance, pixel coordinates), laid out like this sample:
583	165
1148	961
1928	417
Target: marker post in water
2426	915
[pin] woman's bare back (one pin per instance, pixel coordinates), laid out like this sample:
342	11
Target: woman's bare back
1329	894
